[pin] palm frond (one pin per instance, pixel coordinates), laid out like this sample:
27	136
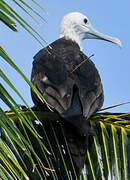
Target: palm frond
7	13
107	155
15	140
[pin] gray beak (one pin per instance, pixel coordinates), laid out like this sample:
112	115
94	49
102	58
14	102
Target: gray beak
94	34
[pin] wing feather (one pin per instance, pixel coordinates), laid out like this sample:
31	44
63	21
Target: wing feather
53	75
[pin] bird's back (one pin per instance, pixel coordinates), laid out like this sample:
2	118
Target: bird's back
70	83
61	72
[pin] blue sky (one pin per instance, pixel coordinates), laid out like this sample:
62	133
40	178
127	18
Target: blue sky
109	17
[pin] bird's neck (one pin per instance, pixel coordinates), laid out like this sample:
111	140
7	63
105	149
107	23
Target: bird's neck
72	35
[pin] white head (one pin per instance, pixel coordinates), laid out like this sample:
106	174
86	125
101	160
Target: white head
77	27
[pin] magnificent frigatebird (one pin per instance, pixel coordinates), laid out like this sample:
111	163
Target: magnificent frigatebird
69	80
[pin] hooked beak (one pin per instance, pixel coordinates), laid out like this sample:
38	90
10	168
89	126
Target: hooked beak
94	34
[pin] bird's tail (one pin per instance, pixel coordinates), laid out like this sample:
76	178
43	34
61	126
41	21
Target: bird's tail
76	129
78	142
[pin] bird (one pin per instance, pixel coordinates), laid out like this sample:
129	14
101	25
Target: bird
70	82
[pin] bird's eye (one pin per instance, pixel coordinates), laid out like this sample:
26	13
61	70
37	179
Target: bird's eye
85	21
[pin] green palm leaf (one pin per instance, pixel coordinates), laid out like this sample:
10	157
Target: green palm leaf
5	19
112	140
107	156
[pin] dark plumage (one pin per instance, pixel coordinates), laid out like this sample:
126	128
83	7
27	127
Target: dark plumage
75	95
52	75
